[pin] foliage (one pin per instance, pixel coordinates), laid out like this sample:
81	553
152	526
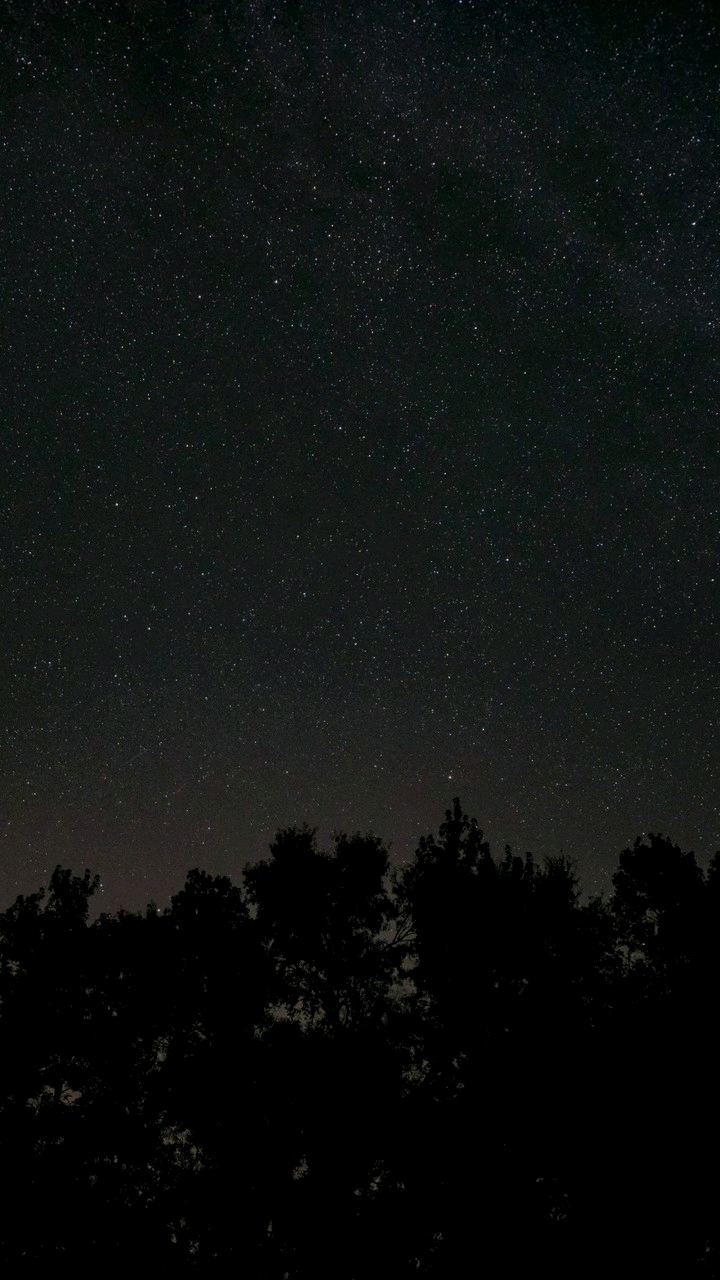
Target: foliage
342	1068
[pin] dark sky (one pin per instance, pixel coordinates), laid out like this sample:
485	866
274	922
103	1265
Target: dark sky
359	429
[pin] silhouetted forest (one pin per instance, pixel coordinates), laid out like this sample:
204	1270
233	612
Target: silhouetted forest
343	1069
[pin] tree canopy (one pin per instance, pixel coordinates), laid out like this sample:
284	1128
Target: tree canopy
343	1068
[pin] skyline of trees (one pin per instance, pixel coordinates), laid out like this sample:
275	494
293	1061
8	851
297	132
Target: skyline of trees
344	1068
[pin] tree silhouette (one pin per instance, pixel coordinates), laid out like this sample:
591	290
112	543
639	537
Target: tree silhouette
45	1005
326	920
342	1069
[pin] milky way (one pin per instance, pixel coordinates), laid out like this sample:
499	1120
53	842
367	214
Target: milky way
360	442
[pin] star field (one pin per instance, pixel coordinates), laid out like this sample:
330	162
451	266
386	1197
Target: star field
360	443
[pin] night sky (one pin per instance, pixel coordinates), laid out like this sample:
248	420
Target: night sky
359	430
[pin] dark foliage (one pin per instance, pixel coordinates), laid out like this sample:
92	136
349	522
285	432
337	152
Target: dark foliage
343	1070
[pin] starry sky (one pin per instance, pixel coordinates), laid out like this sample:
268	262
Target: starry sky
358	429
